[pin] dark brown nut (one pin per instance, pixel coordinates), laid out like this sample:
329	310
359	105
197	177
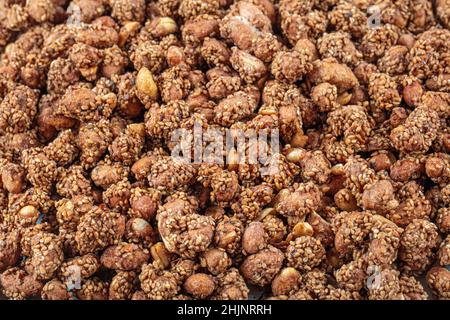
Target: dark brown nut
127	147
412	136
13	177
305	199
375	42
160	121
69	211
117	196
122	286
128	10
287	281
352	276
93	289
234	108
200	285
215	52
158	284
351	231
412	289
383	91
260	268
9	249
381	161
324	95
444	253
193	237
86	59
291	66
254	238
228	234
225	187
222	86
114	62
167	175
72	182
88	106
124	256
348	18
107	173
231	286
143	203
443	220
379	197
406	169
139	231
99	228
437	168
194	31
63	148
417	245
388	287
412	93
215	260
192	8
41	171
18	285
250	68
339	46
174	83
239	31
175	56
79	268
46	255
141	168
55	290
304	253
334	73
139	295
322	229
439	281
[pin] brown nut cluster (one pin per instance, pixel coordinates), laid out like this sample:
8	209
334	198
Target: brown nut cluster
96	204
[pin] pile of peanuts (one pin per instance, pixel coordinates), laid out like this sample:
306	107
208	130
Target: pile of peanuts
93	205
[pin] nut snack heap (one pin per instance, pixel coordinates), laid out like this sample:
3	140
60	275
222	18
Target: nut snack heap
93	204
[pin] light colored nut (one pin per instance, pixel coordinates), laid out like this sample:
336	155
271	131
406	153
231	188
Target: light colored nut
302	229
344	98
295	155
265	212
146	84
126	31
29	212
166	25
139	128
345	200
160	253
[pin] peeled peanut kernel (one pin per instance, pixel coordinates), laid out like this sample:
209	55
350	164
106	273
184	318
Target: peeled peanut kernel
160	253
344	98
295	155
146	84
302	229
126	31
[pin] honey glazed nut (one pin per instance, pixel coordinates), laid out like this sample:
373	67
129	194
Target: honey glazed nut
94	206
